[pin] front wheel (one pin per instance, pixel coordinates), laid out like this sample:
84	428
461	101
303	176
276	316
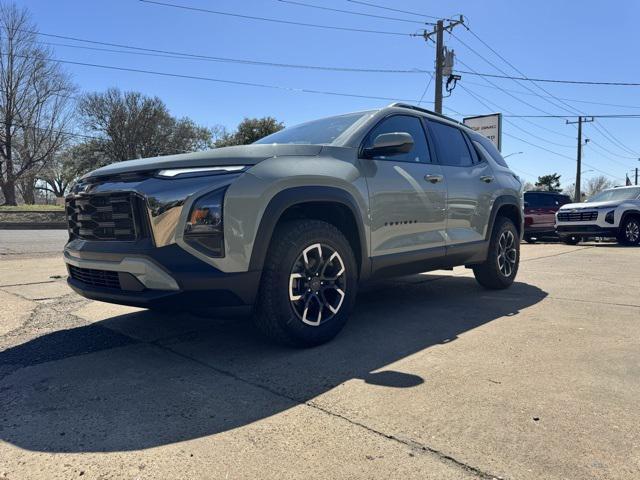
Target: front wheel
308	285
629	233
500	269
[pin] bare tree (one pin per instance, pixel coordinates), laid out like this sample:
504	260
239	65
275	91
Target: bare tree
34	98
597	184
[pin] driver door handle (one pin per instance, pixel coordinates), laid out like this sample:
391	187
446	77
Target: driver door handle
486	178
433	178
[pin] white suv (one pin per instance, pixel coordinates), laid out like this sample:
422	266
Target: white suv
611	213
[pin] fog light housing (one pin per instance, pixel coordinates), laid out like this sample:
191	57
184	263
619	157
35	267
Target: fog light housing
609	217
204	228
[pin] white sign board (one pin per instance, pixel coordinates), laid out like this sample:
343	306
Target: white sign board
489	126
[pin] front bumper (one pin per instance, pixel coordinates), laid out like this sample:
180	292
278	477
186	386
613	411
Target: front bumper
160	277
586	230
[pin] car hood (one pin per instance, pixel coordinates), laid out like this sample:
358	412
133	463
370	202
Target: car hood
238	155
590	205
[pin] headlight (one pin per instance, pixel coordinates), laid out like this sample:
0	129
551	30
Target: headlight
204	228
197	171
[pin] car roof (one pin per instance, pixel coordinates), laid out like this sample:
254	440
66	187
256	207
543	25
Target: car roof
546	193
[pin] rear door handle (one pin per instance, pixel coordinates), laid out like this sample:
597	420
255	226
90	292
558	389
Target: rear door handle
486	178
433	178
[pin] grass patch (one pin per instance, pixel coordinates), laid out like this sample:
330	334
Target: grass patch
32	208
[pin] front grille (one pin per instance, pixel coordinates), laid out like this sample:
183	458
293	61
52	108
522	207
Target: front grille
102	217
578	216
95	278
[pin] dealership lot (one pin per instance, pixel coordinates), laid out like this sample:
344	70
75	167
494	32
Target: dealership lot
432	378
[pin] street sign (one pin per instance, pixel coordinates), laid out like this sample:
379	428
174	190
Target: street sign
489	126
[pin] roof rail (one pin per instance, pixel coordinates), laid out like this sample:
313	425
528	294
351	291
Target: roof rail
423	110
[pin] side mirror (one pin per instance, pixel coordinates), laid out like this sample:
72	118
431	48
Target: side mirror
388	144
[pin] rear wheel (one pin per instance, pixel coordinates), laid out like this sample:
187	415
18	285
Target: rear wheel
500	269
571	240
308	285
629	233
529	239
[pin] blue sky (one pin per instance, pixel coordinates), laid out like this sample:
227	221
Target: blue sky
589	40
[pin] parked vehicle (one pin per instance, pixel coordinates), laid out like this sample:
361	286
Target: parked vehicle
540	214
289	226
612	213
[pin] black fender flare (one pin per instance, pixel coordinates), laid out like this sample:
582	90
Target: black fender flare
500	202
298	195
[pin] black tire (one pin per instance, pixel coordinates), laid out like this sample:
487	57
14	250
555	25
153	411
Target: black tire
275	314
571	240
492	273
629	233
529	239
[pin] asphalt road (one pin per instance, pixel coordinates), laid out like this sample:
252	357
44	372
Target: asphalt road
433	377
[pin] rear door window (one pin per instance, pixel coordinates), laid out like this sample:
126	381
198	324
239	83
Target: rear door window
451	145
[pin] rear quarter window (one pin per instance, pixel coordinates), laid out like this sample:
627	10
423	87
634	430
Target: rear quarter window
491	149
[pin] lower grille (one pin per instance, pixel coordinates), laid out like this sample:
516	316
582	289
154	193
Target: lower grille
102	217
95	278
577	216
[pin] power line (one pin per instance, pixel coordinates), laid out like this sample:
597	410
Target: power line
562	104
426	88
570	108
195	56
550	80
610	115
231	82
368	4
479	99
320	7
273	20
191	56
615	140
574	100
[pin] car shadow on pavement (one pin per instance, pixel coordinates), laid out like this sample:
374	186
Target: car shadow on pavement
143	380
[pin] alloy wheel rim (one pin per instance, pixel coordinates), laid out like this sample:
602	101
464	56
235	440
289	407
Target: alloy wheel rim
507	253
317	284
632	231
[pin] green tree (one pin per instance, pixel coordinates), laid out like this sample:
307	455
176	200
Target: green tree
549	183
129	125
249	131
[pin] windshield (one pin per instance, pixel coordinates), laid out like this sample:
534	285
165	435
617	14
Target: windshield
616	194
323	131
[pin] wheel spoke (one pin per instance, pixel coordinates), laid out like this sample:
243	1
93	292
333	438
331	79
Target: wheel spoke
307	305
292	278
335	309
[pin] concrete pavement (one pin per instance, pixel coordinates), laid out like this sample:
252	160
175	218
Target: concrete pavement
433	377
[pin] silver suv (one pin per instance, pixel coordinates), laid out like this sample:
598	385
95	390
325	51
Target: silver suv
289	226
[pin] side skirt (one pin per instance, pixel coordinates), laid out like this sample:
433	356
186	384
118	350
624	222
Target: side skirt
418	261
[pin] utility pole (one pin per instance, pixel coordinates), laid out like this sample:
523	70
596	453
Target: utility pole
578	192
438	31
636	175
439	65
